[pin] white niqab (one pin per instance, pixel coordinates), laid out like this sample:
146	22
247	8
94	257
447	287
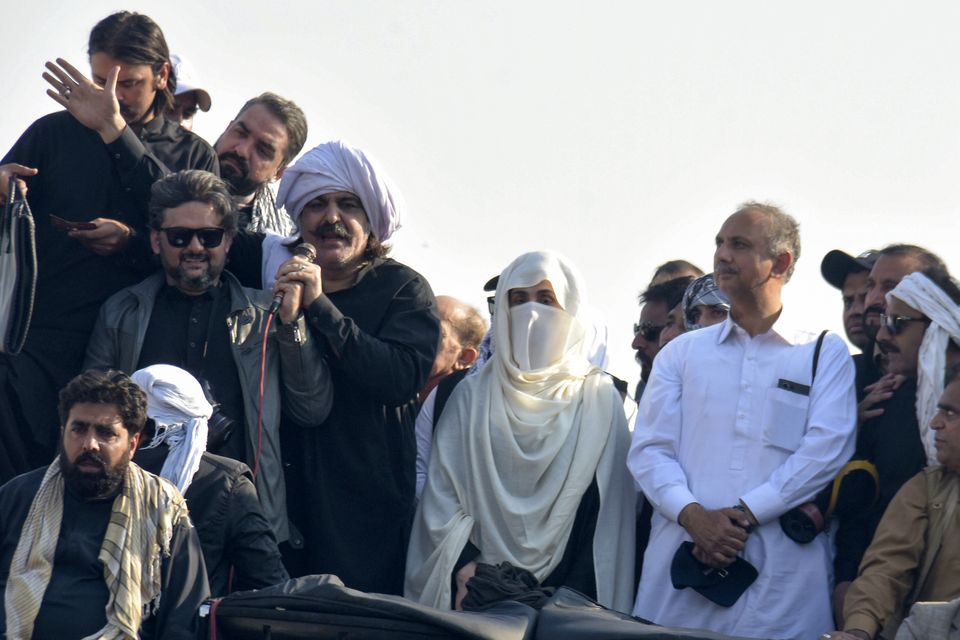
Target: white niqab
923	294
178	406
519	444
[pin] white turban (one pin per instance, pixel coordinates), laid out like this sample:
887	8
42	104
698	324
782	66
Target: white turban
178	406
336	166
923	294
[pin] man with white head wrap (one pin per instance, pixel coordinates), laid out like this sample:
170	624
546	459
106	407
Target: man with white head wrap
528	463
922	319
352	479
223	504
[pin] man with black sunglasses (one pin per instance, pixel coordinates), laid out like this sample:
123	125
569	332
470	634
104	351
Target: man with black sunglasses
889	430
196	316
658	300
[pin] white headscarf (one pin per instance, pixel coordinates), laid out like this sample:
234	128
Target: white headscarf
923	294
178	406
336	166
519	444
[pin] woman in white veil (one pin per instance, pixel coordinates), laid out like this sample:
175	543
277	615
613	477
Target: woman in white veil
529	460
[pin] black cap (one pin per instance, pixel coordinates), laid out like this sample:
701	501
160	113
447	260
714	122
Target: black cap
491	284
837	265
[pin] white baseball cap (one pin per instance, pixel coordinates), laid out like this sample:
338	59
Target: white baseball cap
188	80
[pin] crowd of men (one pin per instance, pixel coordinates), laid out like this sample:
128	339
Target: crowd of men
222	388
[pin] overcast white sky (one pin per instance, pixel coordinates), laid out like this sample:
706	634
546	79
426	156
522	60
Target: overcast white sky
618	133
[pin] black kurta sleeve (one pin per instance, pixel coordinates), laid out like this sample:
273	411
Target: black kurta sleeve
183	590
136	166
391	366
251	546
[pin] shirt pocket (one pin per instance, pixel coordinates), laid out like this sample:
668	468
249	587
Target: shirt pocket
784	418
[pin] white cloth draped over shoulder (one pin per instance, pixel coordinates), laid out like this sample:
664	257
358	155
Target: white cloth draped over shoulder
517	448
923	294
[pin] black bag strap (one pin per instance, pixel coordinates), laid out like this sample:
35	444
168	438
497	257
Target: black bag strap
444	389
816	356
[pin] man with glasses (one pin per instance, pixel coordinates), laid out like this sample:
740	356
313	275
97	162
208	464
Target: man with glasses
196	316
889	433
87	170
658	300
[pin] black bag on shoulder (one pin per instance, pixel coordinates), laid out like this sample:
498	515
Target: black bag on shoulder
18	270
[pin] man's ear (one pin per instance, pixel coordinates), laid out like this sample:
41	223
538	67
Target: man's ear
155	241
279	173
468	355
781	264
162	76
135	442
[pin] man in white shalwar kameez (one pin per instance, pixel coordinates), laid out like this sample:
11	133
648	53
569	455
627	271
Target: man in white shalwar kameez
732	432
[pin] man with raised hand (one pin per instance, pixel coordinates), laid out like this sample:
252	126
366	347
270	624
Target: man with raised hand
87	173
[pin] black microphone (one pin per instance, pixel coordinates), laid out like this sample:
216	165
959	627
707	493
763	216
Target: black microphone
304	250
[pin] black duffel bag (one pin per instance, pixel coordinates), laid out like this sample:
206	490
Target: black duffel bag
322	607
570	615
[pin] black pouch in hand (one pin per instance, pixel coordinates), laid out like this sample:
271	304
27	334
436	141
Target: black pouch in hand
720	586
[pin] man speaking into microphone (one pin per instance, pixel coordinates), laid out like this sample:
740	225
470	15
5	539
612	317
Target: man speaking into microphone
196	316
351	481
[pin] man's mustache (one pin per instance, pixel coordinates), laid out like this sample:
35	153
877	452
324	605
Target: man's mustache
244	167
337	229
92	457
725	268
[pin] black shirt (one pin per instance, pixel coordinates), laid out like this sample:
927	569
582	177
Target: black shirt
73	605
891	441
190	332
81	178
351	481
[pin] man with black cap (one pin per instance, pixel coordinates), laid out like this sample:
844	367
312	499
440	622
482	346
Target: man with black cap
849	274
889	431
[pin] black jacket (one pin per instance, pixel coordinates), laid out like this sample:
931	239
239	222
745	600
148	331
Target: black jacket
229	521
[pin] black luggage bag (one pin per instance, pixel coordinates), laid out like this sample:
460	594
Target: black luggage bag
321	607
570	615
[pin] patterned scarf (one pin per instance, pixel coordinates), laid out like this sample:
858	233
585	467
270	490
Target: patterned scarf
265	216
144	515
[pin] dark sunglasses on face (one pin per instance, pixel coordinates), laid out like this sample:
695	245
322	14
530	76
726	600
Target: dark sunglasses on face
895	324
647	330
179	237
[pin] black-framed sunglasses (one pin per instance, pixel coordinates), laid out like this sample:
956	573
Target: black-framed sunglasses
491	304
895	324
179	237
647	330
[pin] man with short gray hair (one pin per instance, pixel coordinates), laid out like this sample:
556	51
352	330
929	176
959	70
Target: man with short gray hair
732	432
196	316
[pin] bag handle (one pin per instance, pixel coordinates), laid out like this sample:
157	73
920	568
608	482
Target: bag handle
816	356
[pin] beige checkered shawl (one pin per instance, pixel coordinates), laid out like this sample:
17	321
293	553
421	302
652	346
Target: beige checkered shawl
137	539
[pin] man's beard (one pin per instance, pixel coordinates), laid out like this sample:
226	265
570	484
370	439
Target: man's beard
202	282
239	182
91	486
